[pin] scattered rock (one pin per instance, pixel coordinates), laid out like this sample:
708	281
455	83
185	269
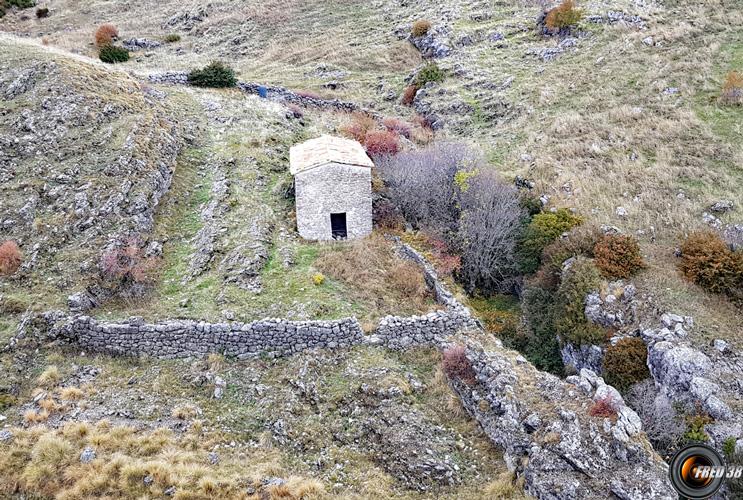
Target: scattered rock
87	455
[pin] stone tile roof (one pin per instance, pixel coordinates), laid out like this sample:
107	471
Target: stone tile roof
327	149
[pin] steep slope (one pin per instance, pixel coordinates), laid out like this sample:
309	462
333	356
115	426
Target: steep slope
86	156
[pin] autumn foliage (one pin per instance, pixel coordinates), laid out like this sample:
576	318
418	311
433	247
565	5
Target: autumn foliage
603	408
732	89
618	256
563	16
710	263
10	258
382	143
105	34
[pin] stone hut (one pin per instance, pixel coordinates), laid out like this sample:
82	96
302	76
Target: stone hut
332	184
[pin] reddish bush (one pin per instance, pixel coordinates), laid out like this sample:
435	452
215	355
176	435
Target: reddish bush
398	126
10	258
408	95
603	408
308	94
709	262
358	127
618	256
381	143
105	34
127	264
457	366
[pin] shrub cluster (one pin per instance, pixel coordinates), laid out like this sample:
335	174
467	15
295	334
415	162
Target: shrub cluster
618	256
398	126
10	258
625	363
378	141
541	346
580	240
542	230
112	54
563	16
172	38
21	4
382	143
570	319
709	262
448	191
420	28
215	75
106	34
457	366
42	12
732	89
428	73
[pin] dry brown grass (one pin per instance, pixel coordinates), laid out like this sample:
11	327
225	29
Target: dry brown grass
71	393
376	275
42	462
49	377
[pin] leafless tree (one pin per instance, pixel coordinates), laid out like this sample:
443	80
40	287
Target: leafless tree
488	230
660	420
421	184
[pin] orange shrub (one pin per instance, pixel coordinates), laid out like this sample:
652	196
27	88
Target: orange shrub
105	34
382	143
710	263
732	89
618	256
420	28
457	366
563	16
358	127
408	95
10	258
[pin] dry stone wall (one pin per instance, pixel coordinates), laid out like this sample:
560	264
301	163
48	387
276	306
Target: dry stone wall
188	338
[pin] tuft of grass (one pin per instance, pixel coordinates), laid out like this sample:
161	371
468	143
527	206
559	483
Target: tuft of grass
49	377
71	394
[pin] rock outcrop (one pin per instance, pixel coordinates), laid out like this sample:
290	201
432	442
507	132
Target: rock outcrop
549	438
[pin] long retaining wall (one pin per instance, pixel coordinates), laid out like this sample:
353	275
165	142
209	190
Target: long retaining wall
272	337
187	338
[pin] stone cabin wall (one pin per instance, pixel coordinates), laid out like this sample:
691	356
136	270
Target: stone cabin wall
333	188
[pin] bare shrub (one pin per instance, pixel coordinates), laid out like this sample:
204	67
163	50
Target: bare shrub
10	258
660	420
489	228
397	126
421	184
126	269
457	366
358	126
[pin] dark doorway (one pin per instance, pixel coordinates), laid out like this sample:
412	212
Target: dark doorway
338	226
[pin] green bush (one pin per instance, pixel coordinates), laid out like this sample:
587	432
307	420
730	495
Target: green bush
429	73
625	363
542	347
710	263
216	75
543	229
569	312
580	241
618	256
22	4
112	54
695	428
172	38
531	204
